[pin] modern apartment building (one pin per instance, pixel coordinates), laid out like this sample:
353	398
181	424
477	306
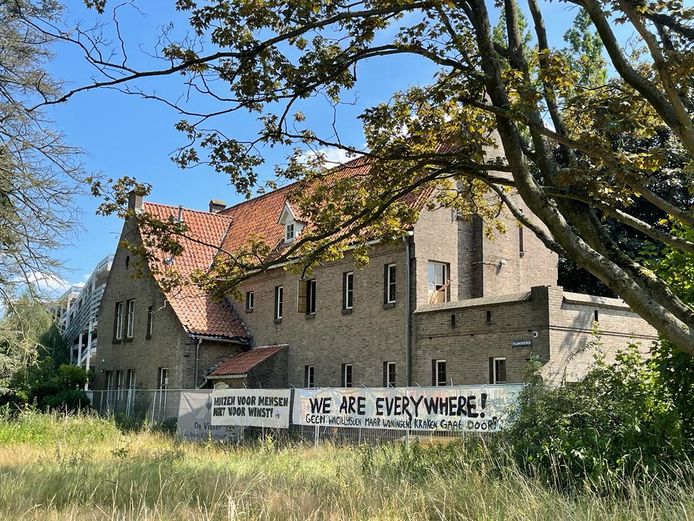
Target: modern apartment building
76	314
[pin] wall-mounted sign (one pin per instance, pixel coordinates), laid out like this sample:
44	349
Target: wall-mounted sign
521	343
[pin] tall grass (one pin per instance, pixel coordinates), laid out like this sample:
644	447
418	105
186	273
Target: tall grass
84	468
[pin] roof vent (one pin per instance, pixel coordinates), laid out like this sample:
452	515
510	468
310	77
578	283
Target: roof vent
217	206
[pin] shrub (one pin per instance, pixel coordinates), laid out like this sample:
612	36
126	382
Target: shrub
48	387
618	424
676	369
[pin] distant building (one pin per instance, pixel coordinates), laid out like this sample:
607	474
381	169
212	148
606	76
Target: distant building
445	305
76	314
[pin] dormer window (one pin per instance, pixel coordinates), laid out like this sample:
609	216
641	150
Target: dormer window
289	232
292	226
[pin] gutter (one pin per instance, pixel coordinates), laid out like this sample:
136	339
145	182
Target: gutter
232	340
228	376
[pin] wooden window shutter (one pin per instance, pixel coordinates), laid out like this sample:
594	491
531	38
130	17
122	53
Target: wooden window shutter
302	299
385	283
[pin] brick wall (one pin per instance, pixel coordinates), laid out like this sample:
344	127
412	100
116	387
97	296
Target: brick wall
506	269
169	345
365	337
559	325
270	374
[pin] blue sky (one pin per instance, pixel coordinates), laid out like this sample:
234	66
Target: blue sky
125	135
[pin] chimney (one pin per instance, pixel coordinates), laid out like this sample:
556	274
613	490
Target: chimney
134	201
217	206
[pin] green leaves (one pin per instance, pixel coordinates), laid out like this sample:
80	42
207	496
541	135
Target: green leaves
618	424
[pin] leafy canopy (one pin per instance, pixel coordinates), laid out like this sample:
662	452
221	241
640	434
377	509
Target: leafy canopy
505	114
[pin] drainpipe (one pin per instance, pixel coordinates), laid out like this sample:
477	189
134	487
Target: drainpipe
408	310
197	362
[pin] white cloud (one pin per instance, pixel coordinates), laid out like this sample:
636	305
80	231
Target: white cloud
333	155
49	284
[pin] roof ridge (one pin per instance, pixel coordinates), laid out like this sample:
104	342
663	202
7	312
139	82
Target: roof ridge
258	197
336	168
176	207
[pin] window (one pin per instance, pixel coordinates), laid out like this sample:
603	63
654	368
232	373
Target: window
439	285
250	301
388	374
311	297
289	232
150	321
308	376
118	322
130	379
279	302
497	370
119	383
348	290
109	380
438	373
130	322
596	316
163	378
389	284
346	380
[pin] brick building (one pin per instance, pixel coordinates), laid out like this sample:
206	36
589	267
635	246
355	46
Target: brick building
447	304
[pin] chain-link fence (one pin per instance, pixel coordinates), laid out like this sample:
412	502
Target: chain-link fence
161	407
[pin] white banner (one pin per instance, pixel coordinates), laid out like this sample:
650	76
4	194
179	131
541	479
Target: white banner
194	418
251	407
454	408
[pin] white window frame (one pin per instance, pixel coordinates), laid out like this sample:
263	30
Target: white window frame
437	381
163	378
348	297
347	370
435	286
120	306
495	377
279	302
391	283
150	321
250	300
119	383
311	296
309	377
388	382
289	232
131	379
130	319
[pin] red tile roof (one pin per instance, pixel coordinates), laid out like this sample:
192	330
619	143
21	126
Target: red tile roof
244	362
229	230
198	312
259	217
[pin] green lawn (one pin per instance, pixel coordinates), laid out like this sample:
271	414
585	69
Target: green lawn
85	468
